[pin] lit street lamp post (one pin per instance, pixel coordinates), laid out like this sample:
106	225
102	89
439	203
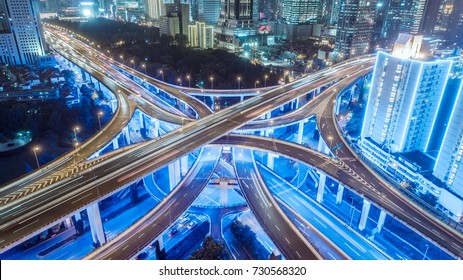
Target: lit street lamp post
239	80
212	83
265	79
75	133
144	67
188	78
162	74
35	149
100	113
256	83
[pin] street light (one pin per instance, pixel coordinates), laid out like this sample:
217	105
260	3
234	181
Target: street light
162	74
76	144
239	80
265	78
35	149
179	80
144	67
212	82
75	133
122	58
256	83
188	78
100	113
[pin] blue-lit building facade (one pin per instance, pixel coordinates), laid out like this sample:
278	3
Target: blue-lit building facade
449	162
21	37
400	121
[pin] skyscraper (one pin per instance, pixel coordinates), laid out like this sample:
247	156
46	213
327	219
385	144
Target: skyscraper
237	20
302	11
449	167
430	16
21	39
404	98
207	11
155	8
403	16
354	29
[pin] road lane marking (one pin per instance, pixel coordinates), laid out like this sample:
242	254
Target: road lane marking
26	226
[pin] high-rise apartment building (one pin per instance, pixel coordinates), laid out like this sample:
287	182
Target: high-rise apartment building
302	11
155	9
21	38
449	164
404	98
200	35
169	24
354	28
182	11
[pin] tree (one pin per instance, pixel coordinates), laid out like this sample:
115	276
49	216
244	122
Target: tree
211	250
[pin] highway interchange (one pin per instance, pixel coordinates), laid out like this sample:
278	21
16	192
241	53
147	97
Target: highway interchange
19	219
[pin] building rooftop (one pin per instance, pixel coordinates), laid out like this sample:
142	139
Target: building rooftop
424	161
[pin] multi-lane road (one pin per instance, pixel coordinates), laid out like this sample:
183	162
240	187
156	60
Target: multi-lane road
22	218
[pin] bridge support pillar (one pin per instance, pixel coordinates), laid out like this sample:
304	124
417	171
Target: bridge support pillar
381	219
269	115
174	173
241	98
184	165
322	147
78	223
321	188
271	160
296	103
68	222
115	143
156	128
264	132
364	216
142	121
160	250
126	134
96	226
300	132
223	201
339	193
